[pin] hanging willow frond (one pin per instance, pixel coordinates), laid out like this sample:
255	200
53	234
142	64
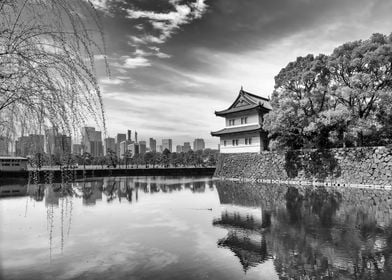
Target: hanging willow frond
47	67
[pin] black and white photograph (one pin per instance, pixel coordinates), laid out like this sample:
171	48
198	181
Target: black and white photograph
195	139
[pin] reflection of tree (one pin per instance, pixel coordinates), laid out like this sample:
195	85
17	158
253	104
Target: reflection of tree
314	232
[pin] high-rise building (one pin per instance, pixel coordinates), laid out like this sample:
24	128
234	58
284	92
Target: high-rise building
187	147
4	145
160	149
129	135
92	141
57	143
142	147
136	136
167	144
30	145
77	149
198	144
109	145
153	145
133	149
179	149
124	148
119	138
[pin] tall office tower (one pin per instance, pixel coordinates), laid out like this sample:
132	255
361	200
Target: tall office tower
30	145
92	141
133	149
153	145
56	143
77	149
142	147
119	138
179	149
167	144
198	144
136	136
4	142
129	135
187	147
109	145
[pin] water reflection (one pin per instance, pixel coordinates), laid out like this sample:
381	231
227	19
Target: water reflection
192	228
311	233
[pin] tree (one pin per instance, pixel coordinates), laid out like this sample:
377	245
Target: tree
336	100
47	73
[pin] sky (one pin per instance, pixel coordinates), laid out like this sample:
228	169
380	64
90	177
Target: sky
174	62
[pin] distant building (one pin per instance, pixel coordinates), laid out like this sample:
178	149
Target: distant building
4	146
243	132
77	149
167	144
129	135
123	148
142	147
136	136
133	149
187	147
153	145
57	143
160	148
179	149
30	145
119	138
109	145
198	144
92	141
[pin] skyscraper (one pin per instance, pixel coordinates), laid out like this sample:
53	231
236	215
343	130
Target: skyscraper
142	147
129	135
198	144
92	141
187	147
30	145
179	149
153	145
167	144
119	138
57	143
109	145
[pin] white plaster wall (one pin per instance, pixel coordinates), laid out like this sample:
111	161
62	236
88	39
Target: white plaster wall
241	148
253	118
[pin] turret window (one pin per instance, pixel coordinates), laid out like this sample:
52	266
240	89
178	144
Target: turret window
235	142
231	122
248	141
244	120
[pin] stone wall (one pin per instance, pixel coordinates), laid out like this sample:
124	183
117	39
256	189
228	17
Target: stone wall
365	166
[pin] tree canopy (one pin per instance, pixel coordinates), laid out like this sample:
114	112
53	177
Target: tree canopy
336	100
47	68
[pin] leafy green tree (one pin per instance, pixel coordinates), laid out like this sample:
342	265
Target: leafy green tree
336	100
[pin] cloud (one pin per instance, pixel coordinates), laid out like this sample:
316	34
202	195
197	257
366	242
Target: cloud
133	62
168	23
108	81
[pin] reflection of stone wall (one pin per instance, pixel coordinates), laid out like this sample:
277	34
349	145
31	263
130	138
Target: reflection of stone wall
368	165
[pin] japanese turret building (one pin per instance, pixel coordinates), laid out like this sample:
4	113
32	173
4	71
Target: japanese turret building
243	132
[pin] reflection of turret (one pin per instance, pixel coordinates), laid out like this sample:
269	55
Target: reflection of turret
251	250
245	238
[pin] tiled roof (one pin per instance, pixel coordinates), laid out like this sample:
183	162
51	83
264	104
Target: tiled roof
254	101
239	129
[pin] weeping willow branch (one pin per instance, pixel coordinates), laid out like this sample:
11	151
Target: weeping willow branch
47	67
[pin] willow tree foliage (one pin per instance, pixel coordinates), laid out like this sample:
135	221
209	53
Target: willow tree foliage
47	70
336	100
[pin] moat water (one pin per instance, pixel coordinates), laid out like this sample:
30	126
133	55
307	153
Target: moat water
192	228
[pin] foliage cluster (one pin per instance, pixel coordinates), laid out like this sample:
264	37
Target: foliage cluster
338	100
